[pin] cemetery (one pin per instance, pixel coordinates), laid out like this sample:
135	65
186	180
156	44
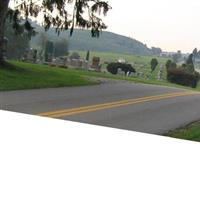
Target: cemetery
153	70
75	61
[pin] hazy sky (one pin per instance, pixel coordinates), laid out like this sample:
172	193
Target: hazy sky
169	24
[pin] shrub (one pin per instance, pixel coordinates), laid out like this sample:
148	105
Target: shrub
113	68
170	65
75	55
154	63
188	68
182	77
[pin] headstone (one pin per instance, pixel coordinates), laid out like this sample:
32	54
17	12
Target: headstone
160	72
30	55
96	64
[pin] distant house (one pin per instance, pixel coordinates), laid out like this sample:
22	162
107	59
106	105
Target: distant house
166	54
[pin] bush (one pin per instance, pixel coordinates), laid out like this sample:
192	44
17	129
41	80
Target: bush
113	68
170	65
182	77
154	63
75	55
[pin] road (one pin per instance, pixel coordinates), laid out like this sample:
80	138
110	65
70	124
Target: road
117	104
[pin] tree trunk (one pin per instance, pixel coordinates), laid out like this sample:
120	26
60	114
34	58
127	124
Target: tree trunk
3	12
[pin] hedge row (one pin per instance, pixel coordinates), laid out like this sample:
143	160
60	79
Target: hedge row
182	77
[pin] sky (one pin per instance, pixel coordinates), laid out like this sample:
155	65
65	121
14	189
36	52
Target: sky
169	24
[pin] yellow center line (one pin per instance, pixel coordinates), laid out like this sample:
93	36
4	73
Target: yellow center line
92	108
105	104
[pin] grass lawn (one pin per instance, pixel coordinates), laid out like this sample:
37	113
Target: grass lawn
190	132
113	57
28	76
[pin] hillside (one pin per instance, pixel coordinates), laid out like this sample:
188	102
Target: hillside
107	42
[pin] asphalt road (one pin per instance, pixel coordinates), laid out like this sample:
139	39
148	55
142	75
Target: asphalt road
117	104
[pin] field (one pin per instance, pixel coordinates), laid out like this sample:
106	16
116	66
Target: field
113	57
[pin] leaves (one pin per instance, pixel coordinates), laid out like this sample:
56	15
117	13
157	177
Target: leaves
56	13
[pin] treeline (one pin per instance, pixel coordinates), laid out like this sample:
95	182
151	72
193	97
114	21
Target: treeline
60	46
17	43
107	42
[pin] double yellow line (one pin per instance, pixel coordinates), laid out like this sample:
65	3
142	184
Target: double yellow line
115	104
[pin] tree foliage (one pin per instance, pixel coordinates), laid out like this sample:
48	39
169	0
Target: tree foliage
154	63
195	53
17	43
176	57
88	56
156	51
182	77
75	56
189	65
61	14
61	48
170	65
114	67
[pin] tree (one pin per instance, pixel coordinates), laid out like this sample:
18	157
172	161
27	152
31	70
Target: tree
189	66
61	48
88	56
17	44
114	67
42	40
49	49
54	13
156	51
176	57
195	52
170	65
198	55
154	63
75	55
190	60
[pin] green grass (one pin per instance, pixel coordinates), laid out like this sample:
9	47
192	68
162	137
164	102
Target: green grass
190	132
28	76
113	57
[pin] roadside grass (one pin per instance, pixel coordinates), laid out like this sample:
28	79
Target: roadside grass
30	76
190	132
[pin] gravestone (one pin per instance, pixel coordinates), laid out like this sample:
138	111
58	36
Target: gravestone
96	64
30	55
160	73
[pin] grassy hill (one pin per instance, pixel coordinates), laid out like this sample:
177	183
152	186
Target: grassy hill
107	42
